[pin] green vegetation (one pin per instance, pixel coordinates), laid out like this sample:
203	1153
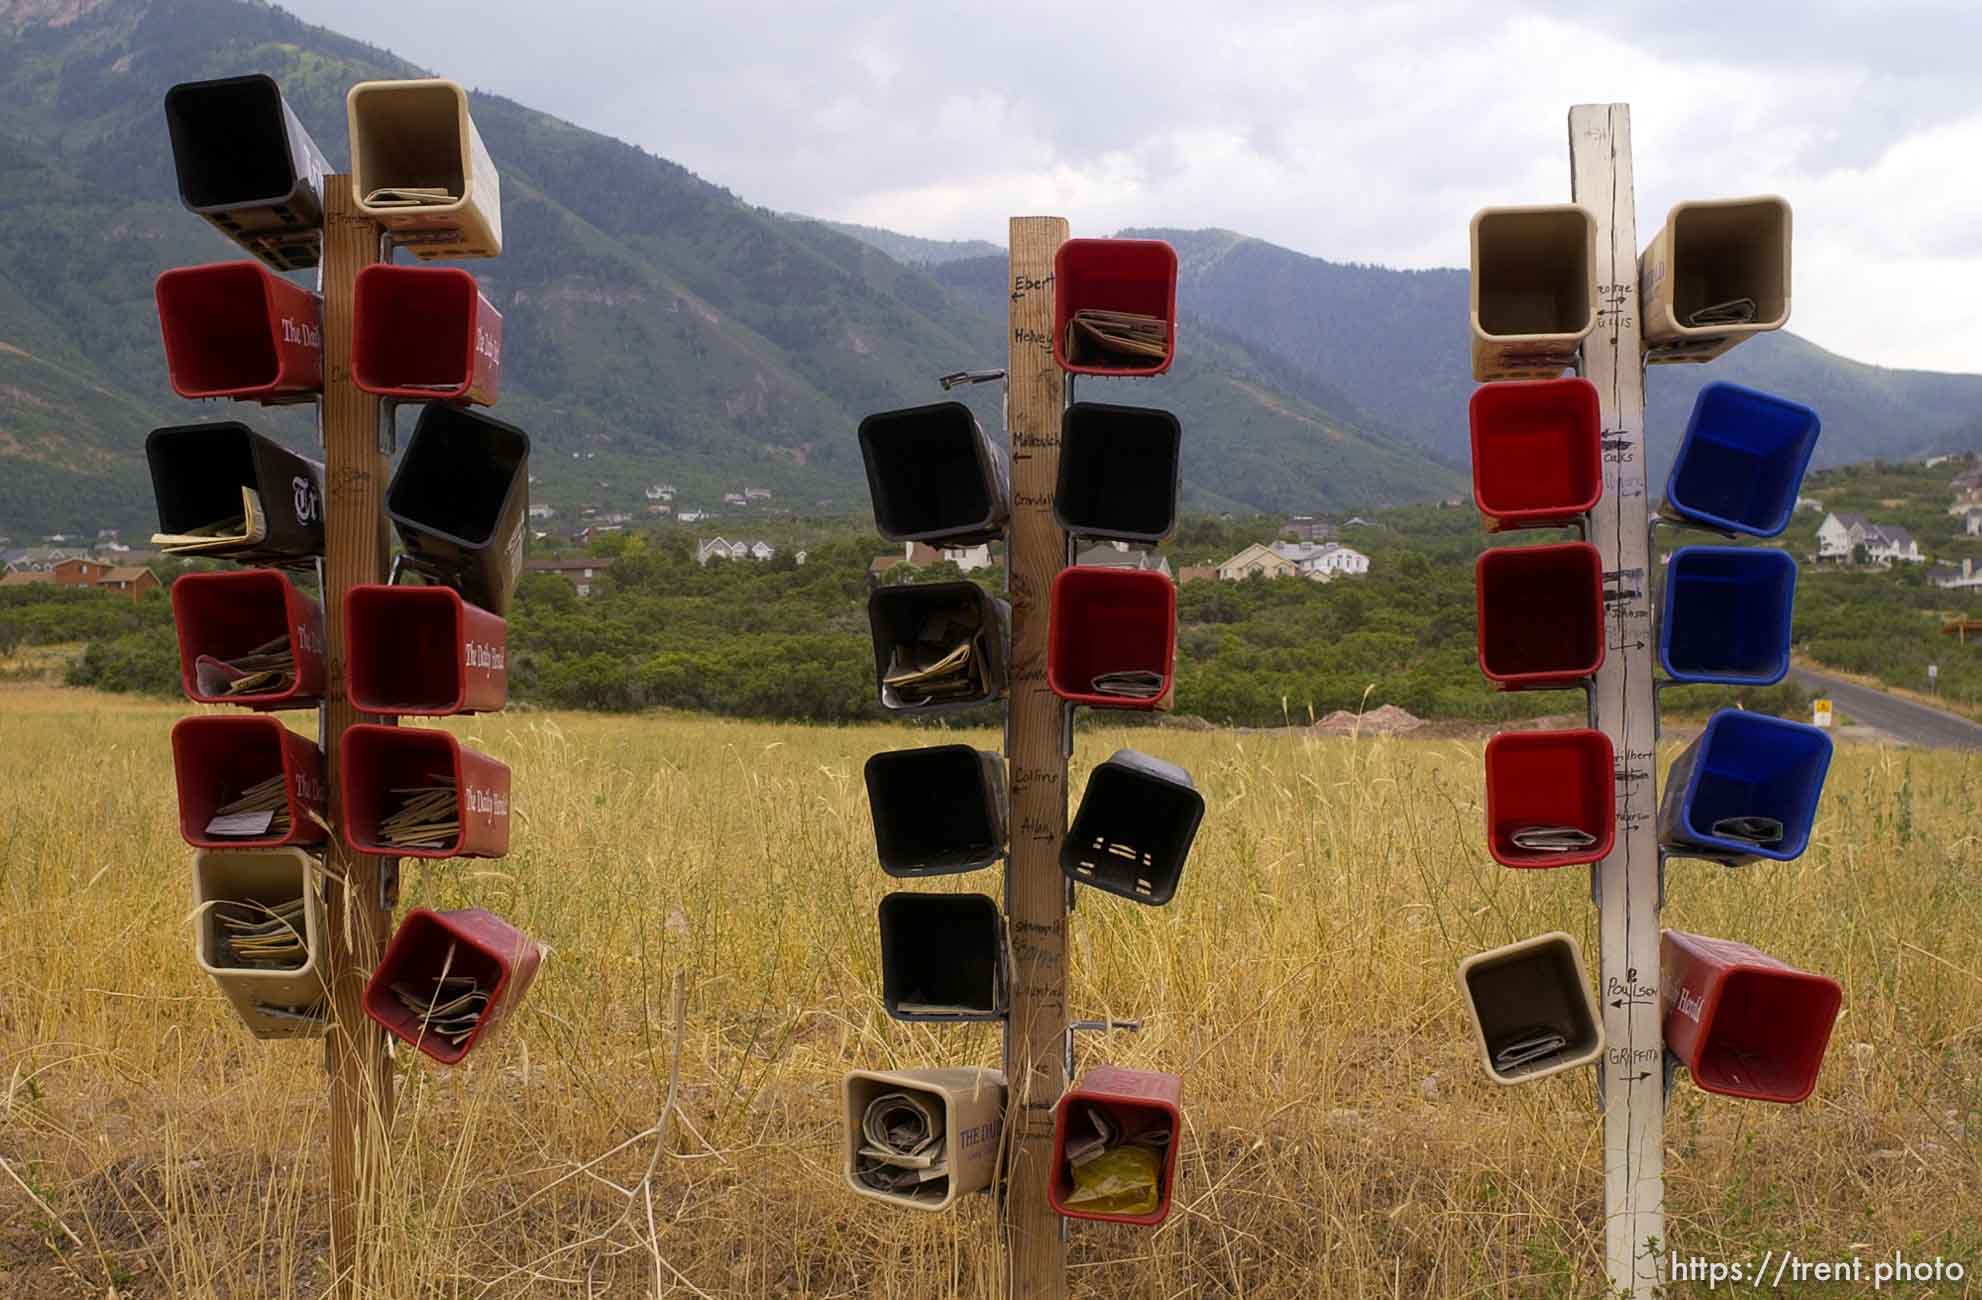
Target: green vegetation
782	641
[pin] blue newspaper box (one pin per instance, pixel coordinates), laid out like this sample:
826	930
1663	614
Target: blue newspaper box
1745	767
1726	615
1740	465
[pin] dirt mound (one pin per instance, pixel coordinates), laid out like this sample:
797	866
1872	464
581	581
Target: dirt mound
1387	720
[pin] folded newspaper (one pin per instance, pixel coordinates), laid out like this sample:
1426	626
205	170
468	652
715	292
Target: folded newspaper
1130	685
1525	1046
1124	338
1552	839
1735	311
449	1007
409	196
945	661
266	669
901	1142
260	937
1753	830
249	528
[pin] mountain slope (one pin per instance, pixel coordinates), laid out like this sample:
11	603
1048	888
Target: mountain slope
656	326
1393	346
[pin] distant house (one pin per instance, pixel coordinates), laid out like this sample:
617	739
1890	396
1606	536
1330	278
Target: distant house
579	573
1323	561
1306	528
1120	555
1965	578
756	494
1256	559
877	572
735	499
1841	534
80	572
1809	503
38	559
133	580
1889	544
716	548
1197	573
130	580
921	555
542	512
692	516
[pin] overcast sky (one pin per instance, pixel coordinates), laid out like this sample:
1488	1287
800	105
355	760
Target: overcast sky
1357	132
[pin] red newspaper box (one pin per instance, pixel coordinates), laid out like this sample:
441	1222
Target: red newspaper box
1536	462
1110	622
233	629
1745	1024
1139	1104
1540	784
1113	275
422	650
219	759
425	334
382	770
469	944
236	329
1541	615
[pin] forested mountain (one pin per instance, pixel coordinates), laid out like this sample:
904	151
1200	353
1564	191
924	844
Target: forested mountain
657	327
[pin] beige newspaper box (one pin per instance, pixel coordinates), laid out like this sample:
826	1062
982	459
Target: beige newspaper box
419	168
273	975
1717	273
1532	1010
1534	289
969	1105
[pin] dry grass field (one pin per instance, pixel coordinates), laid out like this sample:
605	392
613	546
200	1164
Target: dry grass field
1340	1138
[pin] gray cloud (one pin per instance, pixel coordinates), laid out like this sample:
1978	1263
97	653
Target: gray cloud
1364	132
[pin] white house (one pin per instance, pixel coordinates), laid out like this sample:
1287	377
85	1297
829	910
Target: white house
921	555
1120	555
1840	535
1323	560
1966	578
718	549
1258	559
542	512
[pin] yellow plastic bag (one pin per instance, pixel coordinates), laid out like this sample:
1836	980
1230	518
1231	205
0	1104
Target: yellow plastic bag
1119	1181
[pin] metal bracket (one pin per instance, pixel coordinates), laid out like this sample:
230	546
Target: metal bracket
1094	1026
956	378
388	426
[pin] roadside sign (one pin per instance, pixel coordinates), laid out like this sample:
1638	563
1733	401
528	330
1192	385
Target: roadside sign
1820	712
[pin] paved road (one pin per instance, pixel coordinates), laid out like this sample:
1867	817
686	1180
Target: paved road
1903	719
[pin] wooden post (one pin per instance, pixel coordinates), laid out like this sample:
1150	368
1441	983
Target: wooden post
355	552
1631	1077
1035	890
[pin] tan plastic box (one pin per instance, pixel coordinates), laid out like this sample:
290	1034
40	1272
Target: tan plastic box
1534	289
271	1002
971	1100
1710	252
418	134
1532	987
